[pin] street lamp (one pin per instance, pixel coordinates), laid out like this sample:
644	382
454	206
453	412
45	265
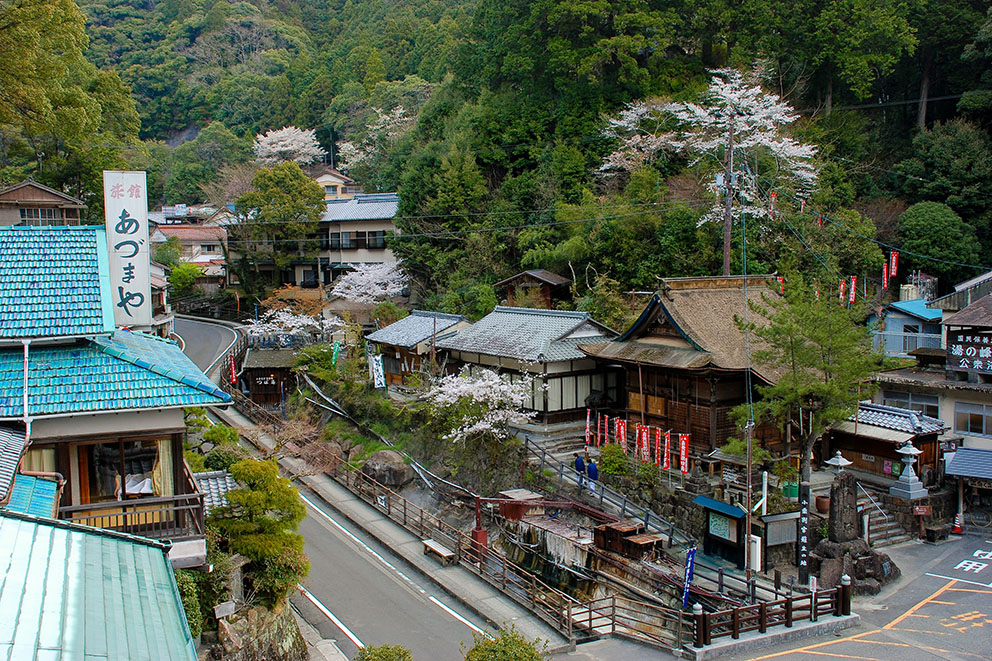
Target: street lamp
838	463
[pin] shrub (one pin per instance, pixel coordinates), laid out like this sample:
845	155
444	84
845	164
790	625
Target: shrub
612	460
508	645
384	653
221	459
190	599
221	435
195	461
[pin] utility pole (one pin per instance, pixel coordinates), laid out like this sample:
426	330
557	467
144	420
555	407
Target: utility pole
747	518
728	218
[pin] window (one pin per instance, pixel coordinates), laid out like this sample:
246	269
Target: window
334	241
147	469
209	247
361	240
377	239
39	216
973	419
925	404
347	240
331	190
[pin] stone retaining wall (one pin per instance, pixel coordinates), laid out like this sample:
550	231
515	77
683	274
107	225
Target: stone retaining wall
259	634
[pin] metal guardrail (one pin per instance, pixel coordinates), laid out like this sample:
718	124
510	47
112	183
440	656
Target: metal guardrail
894	343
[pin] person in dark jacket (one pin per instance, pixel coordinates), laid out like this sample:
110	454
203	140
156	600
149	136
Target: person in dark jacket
580	471
593	472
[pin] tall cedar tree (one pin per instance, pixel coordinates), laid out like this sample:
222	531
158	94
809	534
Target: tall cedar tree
821	351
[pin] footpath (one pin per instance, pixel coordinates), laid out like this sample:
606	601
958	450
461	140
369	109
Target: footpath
474	593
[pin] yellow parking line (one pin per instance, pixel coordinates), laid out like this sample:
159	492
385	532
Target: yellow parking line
943	603
936	633
970	590
920	605
816	646
842	656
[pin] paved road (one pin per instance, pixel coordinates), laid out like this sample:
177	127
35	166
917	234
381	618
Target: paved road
204	341
375	594
940	609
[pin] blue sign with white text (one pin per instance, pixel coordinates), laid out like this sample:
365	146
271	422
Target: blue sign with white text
690	559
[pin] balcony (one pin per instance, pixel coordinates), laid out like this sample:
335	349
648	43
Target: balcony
900	344
177	520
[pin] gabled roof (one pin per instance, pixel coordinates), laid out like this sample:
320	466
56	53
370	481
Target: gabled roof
193	232
67	200
73	592
529	335
11	449
690	324
125	372
543	275
34	495
971	462
415	328
977	314
904	424
214	486
916	308
370	206
54	281
263	358
315	172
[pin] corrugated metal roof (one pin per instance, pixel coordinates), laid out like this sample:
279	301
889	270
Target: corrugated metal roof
74	592
34	495
971	462
214	486
719	506
127	371
50	282
415	328
528	334
977	314
918	308
649	354
371	206
11	448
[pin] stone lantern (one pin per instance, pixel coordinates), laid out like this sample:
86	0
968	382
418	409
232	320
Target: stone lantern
908	487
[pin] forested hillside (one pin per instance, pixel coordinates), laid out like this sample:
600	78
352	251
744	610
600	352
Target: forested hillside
492	120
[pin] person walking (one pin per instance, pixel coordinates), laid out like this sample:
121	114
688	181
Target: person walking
593	472
580	471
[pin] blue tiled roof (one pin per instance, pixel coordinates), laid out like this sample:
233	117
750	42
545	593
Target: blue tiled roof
415	328
75	592
918	308
214	486
37	496
54	281
897	419
529	334
125	371
11	448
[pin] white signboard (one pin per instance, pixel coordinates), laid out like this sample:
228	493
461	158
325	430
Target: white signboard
125	201
378	377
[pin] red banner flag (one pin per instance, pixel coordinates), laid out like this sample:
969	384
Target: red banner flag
666	459
843	288
854	289
657	447
893	263
684	453
646	443
819	221
802	205
234	379
606	430
885	276
588	428
621	431
781	285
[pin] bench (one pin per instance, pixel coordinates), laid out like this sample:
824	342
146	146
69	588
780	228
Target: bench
444	554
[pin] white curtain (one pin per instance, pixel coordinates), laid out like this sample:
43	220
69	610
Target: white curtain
162	472
39	460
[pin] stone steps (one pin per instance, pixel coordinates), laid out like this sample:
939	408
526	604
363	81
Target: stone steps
882	531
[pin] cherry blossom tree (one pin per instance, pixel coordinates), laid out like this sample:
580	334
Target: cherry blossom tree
285	322
480	404
382	132
288	144
371	283
738	126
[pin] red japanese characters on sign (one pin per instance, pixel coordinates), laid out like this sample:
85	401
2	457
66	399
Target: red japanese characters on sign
854	289
684	453
234	378
588	429
657	447
645	443
893	263
885	276
621	434
666	459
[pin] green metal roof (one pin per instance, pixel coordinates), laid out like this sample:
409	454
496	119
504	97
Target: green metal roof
34	495
74	592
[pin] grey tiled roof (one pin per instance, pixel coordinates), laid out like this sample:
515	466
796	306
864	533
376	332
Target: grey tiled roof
971	462
214	486
373	206
11	447
897	419
415	328
527	334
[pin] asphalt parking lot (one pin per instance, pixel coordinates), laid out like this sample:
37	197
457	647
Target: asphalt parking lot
940	609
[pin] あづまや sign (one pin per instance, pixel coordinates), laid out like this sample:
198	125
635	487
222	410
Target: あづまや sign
126	212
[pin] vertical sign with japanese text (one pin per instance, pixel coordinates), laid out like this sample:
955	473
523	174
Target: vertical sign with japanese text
802	547
621	434
588	429
690	562
126	207
684	453
666	459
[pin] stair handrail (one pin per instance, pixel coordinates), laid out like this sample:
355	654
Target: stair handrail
872	500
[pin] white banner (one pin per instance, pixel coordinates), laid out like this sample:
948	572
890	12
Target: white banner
378	377
125	203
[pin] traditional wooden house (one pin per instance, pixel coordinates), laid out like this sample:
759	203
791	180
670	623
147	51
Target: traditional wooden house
543	344
31	203
100	407
871	437
534	288
686	364
267	377
406	343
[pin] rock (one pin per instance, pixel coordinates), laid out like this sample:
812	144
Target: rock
830	572
859	548
867	587
843	522
828	549
228	637
206	447
387	467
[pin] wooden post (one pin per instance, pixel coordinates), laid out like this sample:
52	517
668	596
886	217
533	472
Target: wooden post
845	595
762	617
812	606
719	580
788	611
404	512
736	622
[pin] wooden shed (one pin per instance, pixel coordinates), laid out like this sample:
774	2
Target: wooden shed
265	376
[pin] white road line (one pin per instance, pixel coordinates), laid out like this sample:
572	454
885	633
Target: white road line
381	559
323	609
458	617
961	580
365	546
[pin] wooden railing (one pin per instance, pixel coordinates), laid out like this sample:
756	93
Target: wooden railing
782	612
619	616
163	517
